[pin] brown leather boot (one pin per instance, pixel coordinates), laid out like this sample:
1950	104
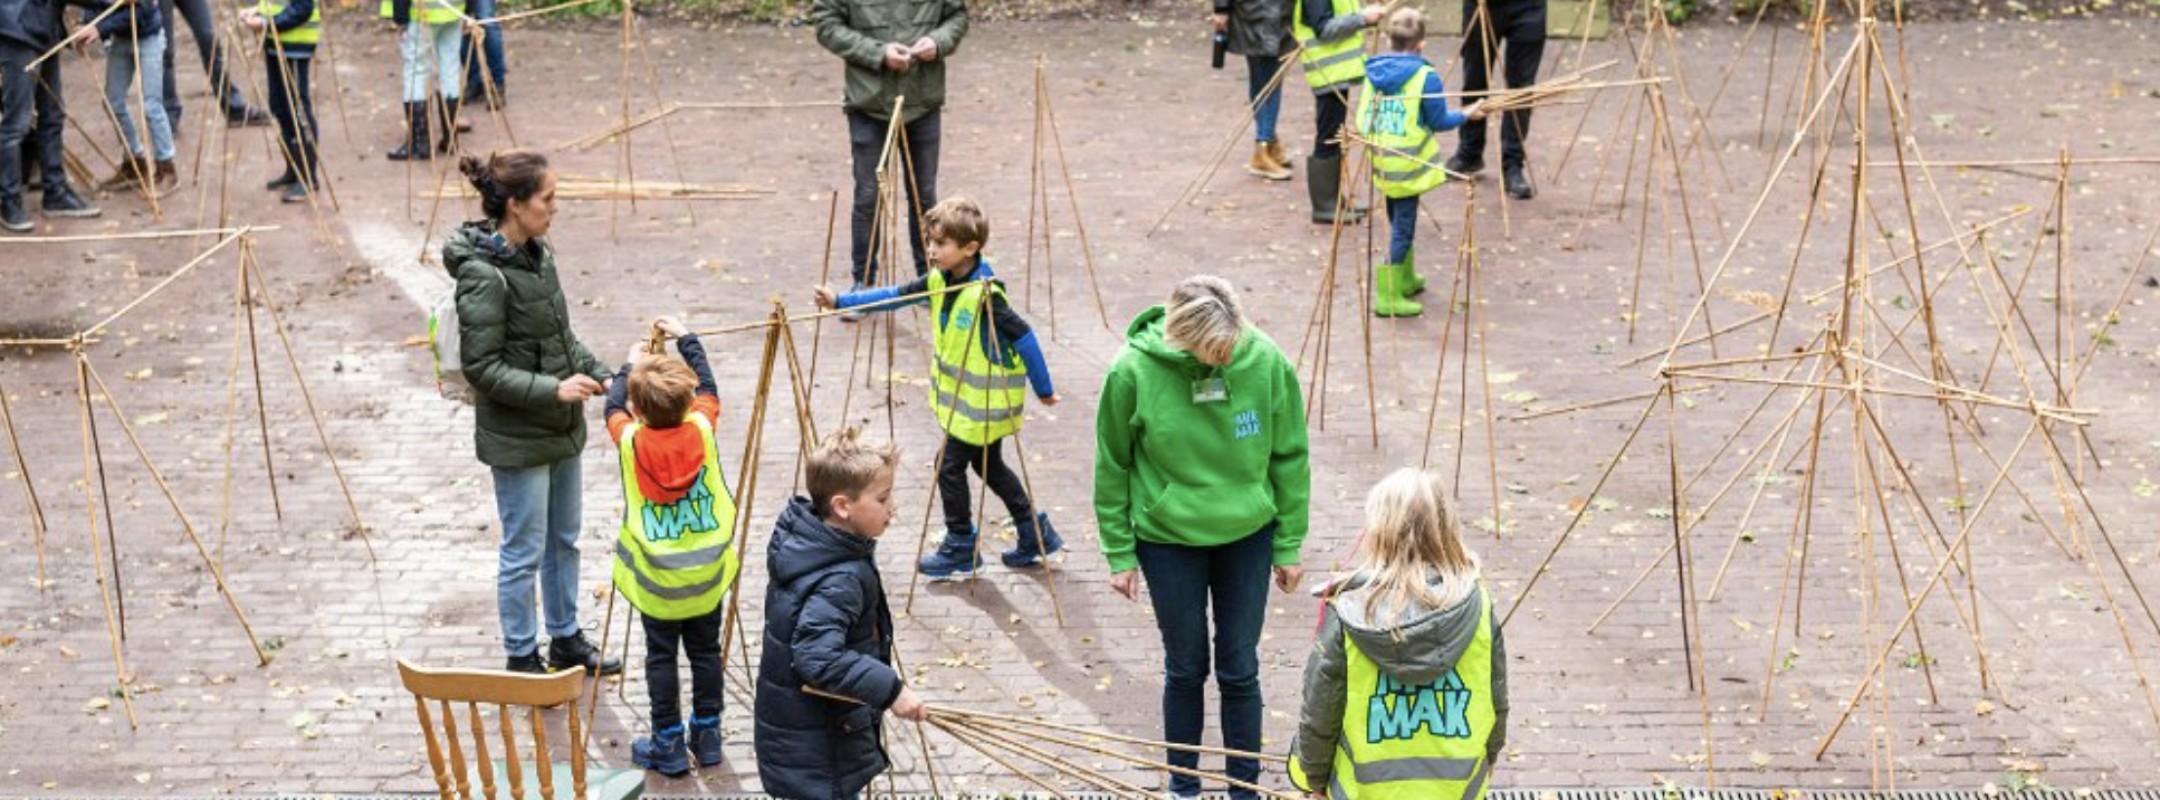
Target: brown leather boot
1275	151
166	179
1266	166
132	173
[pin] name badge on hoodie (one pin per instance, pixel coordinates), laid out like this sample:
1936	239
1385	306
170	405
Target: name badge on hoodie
1210	390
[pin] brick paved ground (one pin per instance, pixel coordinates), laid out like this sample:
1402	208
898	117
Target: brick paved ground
1140	115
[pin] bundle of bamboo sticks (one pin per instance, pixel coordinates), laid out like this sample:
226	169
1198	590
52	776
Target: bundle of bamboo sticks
1555	91
1030	750
570	187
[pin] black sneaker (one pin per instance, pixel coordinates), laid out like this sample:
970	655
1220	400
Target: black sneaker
1516	182
13	216
577	651
529	663
282	181
1465	165
62	201
295	192
245	116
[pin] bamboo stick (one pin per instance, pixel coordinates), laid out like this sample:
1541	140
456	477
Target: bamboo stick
97	551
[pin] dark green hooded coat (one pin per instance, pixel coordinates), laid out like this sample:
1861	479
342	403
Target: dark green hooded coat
517	346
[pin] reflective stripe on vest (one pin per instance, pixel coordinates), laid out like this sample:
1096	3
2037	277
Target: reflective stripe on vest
308	32
1330	65
1405	155
978	400
1405	742
676	561
432	12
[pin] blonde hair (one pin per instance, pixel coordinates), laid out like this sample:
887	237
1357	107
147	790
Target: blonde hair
844	464
661	390
958	219
1405	30
1411	535
1203	318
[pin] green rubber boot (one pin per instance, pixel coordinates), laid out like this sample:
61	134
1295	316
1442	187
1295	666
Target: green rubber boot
1389	300
1413	283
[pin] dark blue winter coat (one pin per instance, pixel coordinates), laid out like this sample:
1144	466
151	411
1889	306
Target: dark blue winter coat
826	626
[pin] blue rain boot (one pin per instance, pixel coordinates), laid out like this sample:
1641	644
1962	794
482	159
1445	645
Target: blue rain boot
955	559
663	753
1029	552
705	740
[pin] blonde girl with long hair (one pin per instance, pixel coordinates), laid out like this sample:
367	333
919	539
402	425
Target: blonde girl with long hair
1409	669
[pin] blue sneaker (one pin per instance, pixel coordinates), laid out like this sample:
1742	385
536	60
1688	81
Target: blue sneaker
955	559
705	740
663	753
1030	553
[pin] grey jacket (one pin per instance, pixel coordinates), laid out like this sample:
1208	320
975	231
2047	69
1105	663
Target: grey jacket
1416	647
1258	27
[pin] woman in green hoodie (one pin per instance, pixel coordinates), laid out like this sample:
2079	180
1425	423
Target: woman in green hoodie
1202	485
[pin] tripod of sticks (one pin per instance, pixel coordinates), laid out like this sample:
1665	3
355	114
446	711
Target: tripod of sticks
91	389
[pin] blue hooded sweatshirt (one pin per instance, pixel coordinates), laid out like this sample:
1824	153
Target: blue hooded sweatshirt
1389	71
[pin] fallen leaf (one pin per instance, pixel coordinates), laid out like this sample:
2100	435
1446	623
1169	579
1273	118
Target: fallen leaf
1984	707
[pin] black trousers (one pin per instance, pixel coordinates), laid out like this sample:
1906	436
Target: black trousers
1517	27
41	148
19	95
203	25
698	637
293	107
918	175
989	462
1330	110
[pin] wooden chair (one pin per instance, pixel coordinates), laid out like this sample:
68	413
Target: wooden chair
508	692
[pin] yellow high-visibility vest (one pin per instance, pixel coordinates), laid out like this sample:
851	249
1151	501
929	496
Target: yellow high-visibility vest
1329	65
1405	154
308	33
978	400
1402	742
432	12
675	561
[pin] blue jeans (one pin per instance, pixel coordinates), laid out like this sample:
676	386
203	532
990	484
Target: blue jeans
1181	580
431	51
539	507
1402	227
1259	71
120	65
491	51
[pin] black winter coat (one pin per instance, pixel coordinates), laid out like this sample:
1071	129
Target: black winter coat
1258	27
826	626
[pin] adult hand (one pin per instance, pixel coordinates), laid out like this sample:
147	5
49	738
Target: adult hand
897	57
1373	13
1287	577
671	326
252	19
576	388
909	707
1127	583
1222	22
925	50
824	297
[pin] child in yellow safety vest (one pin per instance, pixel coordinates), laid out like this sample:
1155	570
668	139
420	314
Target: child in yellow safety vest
1399	112
676	556
1406	689
986	357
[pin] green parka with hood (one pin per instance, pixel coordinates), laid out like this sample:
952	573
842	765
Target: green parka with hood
1415	645
1170	469
517	347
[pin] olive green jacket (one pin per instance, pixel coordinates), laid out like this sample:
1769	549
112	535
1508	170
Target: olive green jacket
858	30
516	345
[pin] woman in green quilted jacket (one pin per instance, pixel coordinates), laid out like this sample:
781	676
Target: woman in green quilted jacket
531	377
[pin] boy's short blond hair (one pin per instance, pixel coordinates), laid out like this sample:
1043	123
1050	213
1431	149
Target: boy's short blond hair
958	219
844	464
1203	318
661	390
1405	30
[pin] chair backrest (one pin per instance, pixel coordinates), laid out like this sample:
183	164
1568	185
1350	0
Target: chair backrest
474	688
